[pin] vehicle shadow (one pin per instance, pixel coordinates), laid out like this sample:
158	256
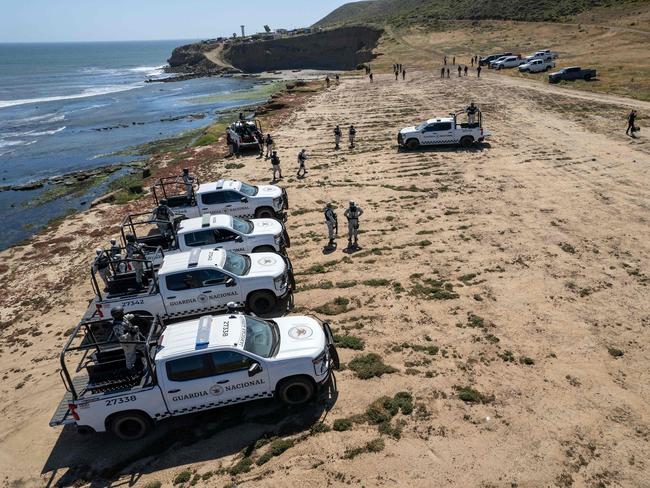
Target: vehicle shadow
99	459
447	148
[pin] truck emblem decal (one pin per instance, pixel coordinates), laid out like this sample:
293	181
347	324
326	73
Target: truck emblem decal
216	390
267	261
203	298
300	332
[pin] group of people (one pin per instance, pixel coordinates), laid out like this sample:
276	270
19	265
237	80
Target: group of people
462	70
112	262
399	69
352	214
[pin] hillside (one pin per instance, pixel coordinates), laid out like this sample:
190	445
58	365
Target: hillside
406	12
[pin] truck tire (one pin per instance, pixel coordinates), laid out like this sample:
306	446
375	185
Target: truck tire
129	426
264	249
412	144
264	213
262	302
296	390
466	141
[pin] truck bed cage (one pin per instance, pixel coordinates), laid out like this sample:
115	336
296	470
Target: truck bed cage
478	123
121	274
103	358
153	237
172	188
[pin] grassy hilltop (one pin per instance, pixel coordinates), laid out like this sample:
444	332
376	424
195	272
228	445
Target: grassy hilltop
408	12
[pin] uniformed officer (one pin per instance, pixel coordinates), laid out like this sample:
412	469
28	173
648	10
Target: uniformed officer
332	224
119	265
188	180
114	249
164	216
302	157
352	213
135	254
337	137
131	334
352	132
275	164
269	145
101	266
471	112
118	321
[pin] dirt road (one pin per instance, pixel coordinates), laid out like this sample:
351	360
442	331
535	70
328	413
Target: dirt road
506	284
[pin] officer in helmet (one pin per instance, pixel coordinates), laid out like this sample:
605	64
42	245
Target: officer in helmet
337	137
164	217
115	249
332	224
188	180
135	254
128	338
117	313
101	265
352	213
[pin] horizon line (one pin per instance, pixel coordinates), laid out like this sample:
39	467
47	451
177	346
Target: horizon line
107	41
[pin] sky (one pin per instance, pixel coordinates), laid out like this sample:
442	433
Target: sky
116	20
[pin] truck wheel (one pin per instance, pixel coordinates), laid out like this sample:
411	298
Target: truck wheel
264	249
264	213
412	144
466	141
262	302
129	426
295	391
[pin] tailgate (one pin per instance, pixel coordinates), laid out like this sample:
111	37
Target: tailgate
62	414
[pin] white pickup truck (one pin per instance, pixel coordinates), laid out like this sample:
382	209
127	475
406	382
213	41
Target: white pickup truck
442	131
189	367
208	231
507	62
231	197
542	54
197	282
537	65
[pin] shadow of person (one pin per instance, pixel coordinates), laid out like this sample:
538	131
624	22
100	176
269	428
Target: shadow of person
194	438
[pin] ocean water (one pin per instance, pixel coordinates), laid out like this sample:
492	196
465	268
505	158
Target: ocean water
55	97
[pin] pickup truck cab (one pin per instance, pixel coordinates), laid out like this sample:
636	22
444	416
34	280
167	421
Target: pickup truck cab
188	367
486	60
233	234
507	62
442	131
572	73
542	54
230	197
537	65
198	282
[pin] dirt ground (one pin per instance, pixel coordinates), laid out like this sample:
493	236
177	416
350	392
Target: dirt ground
506	286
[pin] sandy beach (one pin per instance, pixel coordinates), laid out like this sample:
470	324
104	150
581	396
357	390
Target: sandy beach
538	239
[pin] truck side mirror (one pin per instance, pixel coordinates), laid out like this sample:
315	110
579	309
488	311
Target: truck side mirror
244	199
230	282
254	369
239	239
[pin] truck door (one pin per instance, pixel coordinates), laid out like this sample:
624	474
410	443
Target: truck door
236	204
212	202
440	133
212	379
229	240
190	292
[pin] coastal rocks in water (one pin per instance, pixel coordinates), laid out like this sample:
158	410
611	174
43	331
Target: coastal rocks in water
32	185
108	198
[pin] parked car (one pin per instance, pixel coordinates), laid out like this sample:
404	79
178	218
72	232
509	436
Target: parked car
543	54
486	60
508	62
537	65
572	73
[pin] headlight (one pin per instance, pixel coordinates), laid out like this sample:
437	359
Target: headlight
280	282
278	239
277	202
321	363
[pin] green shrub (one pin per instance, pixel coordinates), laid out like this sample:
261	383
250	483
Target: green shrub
375	445
349	342
242	466
319	427
341	425
153	484
369	366
617	353
182	477
376	282
526	360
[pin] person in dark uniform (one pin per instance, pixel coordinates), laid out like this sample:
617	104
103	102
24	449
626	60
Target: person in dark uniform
371	77
135	255
478	71
275	164
442	72
465	70
471	111
403	74
352	213
101	265
327	81
302	157
631	119
337	137
448	72
459	70
332	224
269	145
352	133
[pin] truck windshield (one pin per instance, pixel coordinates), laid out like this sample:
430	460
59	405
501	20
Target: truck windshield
422	125
237	264
261	337
241	225
249	190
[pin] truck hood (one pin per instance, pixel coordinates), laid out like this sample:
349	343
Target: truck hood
408	130
300	336
270	191
266	264
265	227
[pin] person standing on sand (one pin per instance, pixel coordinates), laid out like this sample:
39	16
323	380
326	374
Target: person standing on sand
631	119
269	146
472	62
403	74
442	72
302	157
478	71
447	72
338	79
327	81
352	213
352	132
337	137
332	224
275	164
459	70
453	60
188	181
396	75
465	70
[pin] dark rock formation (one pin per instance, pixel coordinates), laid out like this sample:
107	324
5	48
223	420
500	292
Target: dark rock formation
337	49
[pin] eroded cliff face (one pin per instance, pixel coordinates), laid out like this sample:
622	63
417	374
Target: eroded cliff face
338	49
